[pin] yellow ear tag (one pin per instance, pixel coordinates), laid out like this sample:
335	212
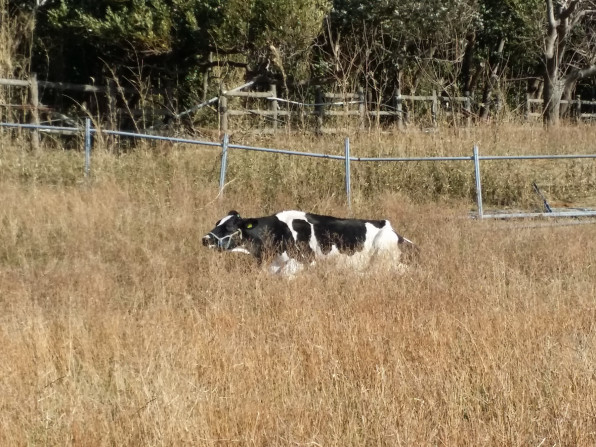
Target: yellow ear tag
249	226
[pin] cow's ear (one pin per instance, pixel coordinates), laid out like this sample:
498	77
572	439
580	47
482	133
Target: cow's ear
234	213
248	224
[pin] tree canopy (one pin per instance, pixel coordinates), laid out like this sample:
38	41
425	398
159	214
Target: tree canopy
454	46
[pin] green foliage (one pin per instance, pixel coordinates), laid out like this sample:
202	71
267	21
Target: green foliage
147	27
417	45
278	33
520	22
257	24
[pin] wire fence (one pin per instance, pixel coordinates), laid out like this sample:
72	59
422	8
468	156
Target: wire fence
225	145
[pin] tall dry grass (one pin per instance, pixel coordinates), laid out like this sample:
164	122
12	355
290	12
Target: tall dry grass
119	328
282	180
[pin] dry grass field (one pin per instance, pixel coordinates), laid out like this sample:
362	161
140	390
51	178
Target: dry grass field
118	328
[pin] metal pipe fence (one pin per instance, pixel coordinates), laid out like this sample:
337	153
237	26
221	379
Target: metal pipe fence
225	145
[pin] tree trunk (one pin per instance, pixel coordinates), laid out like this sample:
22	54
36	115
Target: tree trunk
552	93
567	95
555	86
491	81
466	67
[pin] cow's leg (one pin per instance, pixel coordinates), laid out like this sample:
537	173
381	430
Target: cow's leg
284	265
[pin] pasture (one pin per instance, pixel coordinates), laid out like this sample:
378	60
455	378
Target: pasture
119	328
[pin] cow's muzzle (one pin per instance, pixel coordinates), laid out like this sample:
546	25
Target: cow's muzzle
224	242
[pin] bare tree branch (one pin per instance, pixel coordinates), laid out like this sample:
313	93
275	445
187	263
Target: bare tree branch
582	14
550	12
566	12
553	23
578	74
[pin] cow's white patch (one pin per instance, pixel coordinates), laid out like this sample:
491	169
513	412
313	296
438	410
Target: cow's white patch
288	217
224	220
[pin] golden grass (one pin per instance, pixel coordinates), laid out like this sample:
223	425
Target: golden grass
119	328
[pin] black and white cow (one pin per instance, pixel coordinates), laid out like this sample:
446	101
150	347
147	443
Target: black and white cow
292	238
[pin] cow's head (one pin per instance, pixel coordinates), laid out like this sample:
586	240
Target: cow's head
227	234
251	236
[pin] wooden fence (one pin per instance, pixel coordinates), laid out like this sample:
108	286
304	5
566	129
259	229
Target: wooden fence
576	108
110	91
352	109
357	107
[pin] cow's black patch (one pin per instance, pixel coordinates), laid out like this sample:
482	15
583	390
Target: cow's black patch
303	231
347	235
266	235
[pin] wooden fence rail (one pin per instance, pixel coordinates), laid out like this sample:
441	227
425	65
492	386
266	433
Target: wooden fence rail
576	106
356	108
352	106
111	90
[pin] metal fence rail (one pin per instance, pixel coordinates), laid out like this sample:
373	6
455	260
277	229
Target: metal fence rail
225	145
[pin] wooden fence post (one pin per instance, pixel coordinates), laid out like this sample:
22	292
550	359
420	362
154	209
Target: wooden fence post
578	108
34	93
370	109
223	110
468	108
274	106
111	96
399	109
319	108
527	108
433	108
361	108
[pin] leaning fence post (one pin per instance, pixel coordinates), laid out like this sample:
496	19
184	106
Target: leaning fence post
348	185
224	163
223	111
478	185
34	93
87	146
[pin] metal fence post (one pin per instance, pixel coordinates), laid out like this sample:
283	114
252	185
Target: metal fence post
224	163
348	185
87	146
478	185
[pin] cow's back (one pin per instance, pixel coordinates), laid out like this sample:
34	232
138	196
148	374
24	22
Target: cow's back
347	235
